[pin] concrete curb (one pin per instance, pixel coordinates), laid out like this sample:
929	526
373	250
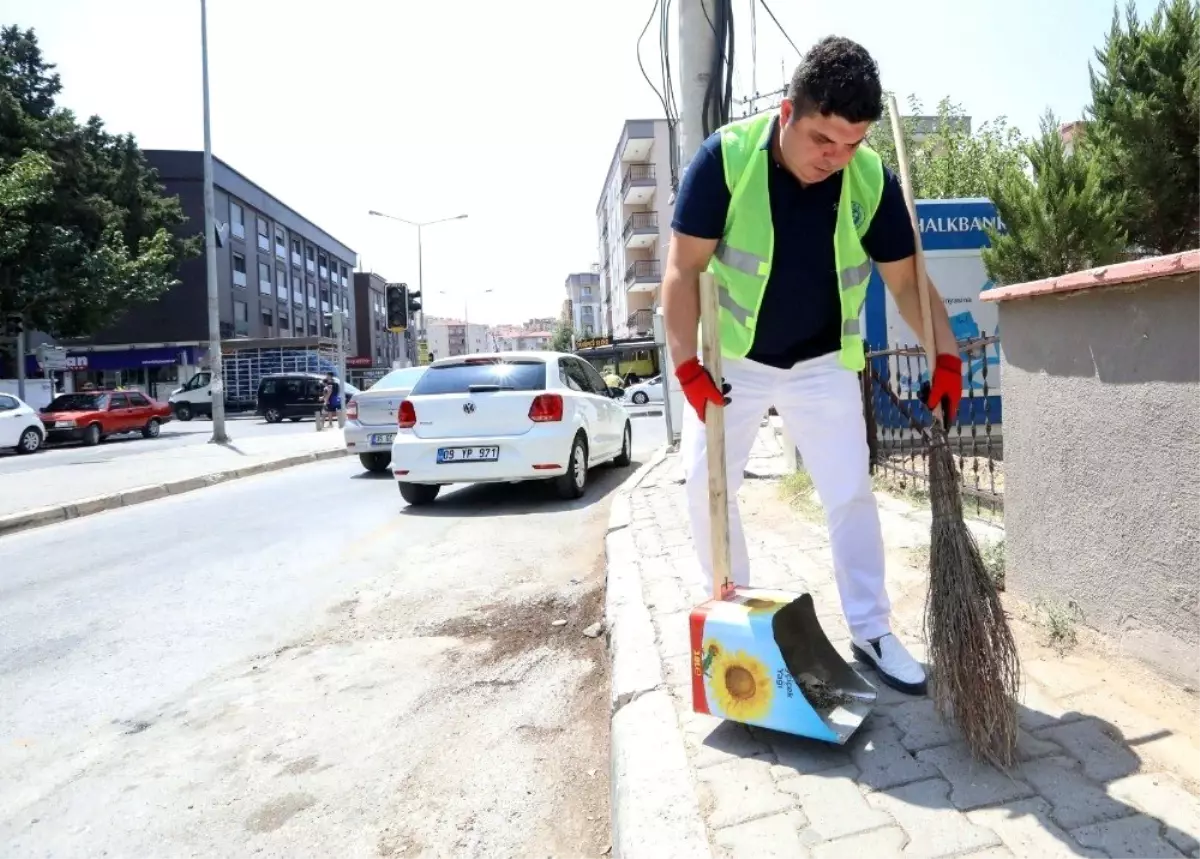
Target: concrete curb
655	812
14	522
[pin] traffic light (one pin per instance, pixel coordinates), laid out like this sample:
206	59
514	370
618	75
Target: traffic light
14	324
414	303
397	306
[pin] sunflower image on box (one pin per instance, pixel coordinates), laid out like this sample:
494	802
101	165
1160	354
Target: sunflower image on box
759	657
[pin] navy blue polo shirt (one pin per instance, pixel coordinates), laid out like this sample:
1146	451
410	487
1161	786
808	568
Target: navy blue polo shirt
800	316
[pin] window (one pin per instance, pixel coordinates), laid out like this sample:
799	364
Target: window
264	235
281	284
239	269
324	300
323	264
137	400
7	403
527	375
280	243
267	318
571	375
241	311
585	292
119	401
312	295
264	278
308	259
295	252
284	322
237	220
297	290
345	279
599	386
312	329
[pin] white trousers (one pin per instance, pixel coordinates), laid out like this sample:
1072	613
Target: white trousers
820	402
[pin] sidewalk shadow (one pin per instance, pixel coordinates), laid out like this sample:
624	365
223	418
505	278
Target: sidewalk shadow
1060	784
518	499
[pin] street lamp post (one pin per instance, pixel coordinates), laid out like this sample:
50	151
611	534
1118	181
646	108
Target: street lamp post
420	267
216	382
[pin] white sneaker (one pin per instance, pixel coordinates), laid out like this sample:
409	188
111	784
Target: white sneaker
892	662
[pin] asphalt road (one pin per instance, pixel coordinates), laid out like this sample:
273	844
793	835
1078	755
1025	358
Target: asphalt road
175	434
297	664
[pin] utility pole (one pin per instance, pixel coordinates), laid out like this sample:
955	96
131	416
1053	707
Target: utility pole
420	285
20	346
697	52
217	383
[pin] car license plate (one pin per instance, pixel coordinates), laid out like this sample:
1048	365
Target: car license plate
467	454
383	438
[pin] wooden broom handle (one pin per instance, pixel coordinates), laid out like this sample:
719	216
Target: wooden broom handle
922	274
714	429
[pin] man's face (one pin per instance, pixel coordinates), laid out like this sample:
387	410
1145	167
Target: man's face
814	147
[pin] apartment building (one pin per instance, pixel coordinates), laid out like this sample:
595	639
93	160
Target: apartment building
279	275
523	339
373	341
633	221
449	337
584	301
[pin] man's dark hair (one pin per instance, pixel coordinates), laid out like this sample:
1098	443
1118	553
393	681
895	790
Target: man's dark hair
837	77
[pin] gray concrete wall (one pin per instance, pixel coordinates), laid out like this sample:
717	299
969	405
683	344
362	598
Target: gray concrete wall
1102	450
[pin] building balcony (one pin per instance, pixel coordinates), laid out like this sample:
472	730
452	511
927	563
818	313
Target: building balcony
641	230
641	322
644	275
295	258
637	188
637	140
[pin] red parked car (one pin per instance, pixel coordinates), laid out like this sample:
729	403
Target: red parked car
92	416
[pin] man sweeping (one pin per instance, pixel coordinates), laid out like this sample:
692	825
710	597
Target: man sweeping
788	210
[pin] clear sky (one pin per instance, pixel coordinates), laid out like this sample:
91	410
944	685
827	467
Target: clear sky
508	112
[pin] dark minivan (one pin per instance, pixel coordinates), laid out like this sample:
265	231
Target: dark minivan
289	395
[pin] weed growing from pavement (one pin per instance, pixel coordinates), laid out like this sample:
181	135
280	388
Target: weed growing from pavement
1059	621
797	490
993	561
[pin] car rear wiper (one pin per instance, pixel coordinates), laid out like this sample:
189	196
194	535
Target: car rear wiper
488	389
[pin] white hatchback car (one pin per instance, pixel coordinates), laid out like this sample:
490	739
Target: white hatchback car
507	417
20	426
649	391
371	417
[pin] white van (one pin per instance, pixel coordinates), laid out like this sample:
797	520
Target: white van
194	399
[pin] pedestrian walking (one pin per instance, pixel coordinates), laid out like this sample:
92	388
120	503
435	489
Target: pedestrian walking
331	397
788	210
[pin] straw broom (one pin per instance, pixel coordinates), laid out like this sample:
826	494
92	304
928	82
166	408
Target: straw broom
975	671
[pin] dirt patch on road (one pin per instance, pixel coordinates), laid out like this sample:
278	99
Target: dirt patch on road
579	752
553	620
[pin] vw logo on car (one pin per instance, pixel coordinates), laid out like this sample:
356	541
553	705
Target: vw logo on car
469	408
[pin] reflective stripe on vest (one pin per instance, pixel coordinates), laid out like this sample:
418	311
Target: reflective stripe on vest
741	263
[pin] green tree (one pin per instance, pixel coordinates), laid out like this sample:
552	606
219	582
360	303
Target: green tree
562	339
1060	220
951	160
87	232
1145	129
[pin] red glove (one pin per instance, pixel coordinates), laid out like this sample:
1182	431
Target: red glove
946	389
698	386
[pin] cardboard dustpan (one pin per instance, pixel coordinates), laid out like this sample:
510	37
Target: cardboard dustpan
759	656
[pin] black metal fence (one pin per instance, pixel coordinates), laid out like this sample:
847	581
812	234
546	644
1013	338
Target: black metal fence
898	421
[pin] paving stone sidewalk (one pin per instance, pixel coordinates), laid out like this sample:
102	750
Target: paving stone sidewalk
1100	775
